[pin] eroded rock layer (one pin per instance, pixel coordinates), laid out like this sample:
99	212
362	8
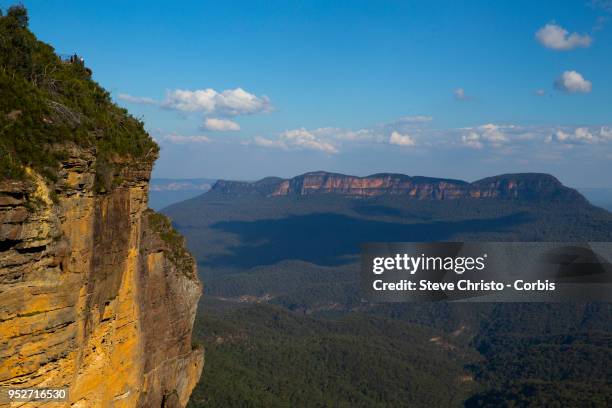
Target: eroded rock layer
97	293
507	186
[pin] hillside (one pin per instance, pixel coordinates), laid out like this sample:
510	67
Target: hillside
50	103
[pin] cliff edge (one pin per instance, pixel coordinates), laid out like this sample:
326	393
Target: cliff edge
97	292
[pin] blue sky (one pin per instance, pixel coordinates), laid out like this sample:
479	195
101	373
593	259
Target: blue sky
449	88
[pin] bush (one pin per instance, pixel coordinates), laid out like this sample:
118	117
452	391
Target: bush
175	242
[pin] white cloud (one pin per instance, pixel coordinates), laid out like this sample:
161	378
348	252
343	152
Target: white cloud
498	139
265	142
526	140
573	82
488	134
492	133
459	94
308	140
300	139
605	133
401	140
141	100
555	37
230	102
360	135
324	139
220	125
540	92
561	136
582	135
472	139
180	139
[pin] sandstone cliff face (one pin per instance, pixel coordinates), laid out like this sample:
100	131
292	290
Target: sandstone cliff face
96	293
508	186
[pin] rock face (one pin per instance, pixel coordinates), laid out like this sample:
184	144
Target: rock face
97	293
531	186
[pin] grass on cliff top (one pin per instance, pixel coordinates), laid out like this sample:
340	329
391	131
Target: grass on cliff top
46	102
177	254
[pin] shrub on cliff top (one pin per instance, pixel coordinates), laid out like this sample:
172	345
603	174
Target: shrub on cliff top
46	102
175	242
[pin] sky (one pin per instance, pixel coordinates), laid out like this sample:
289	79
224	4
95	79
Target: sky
247	89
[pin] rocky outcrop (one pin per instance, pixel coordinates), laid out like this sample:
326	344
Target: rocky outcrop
97	293
531	186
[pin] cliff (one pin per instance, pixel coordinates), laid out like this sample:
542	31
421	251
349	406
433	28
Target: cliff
97	293
527	186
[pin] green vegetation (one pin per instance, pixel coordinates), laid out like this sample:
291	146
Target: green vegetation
558	394
311	341
176	243
48	103
264	356
304	251
551	355
475	355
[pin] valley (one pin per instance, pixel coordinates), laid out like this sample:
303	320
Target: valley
283	306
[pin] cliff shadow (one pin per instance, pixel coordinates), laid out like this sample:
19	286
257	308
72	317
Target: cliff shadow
334	239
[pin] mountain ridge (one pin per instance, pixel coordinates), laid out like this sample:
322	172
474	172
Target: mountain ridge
529	186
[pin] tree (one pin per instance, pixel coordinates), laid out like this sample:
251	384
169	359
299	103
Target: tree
20	14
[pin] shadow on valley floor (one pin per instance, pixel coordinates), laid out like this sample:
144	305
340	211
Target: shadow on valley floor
332	239
377	210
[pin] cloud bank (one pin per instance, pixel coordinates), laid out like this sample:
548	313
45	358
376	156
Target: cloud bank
502	138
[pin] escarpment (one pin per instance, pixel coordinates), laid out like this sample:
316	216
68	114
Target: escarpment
97	293
528	186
